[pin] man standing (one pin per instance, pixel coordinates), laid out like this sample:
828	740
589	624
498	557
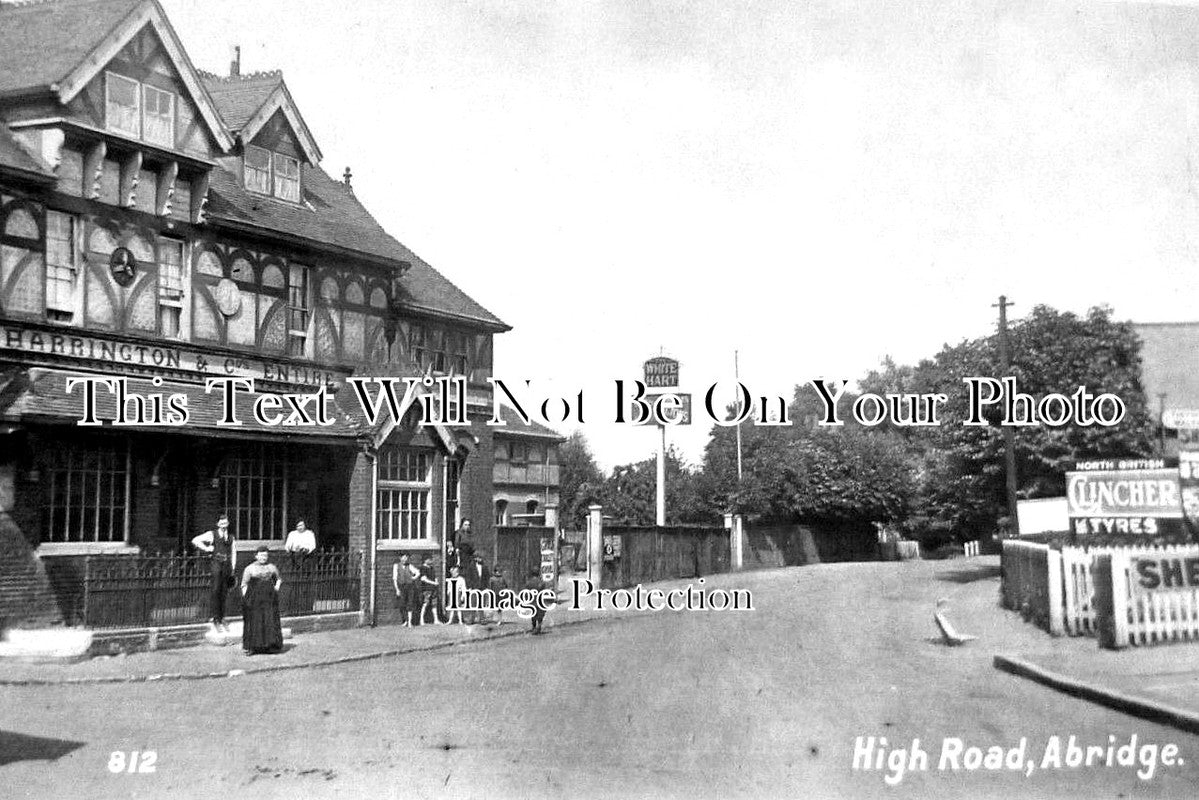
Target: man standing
223	559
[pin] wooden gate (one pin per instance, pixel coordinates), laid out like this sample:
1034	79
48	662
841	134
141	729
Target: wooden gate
646	554
519	551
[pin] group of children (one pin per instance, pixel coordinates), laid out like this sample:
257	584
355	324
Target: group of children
419	587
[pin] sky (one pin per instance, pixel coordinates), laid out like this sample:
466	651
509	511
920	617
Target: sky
813	186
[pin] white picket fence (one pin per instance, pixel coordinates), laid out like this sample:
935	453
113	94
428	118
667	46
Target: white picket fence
1147	618
1060	590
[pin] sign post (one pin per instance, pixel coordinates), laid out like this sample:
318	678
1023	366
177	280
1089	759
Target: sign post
663	373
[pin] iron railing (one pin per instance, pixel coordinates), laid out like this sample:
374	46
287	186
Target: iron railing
137	591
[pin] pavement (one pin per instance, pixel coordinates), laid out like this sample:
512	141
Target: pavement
1156	683
306	650
1159	683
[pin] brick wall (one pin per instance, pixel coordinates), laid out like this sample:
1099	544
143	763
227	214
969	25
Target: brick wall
478	487
359	521
27	598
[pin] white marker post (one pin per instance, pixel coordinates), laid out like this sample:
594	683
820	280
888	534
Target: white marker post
661	373
662	477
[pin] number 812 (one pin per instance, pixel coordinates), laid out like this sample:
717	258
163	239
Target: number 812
138	761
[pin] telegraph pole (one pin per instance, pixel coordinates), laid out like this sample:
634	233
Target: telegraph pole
1161	424
1009	433
737	378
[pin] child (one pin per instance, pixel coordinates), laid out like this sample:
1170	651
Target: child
428	586
405	577
536	584
455	592
498	585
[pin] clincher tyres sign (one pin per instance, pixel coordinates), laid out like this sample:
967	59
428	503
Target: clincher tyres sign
1131	496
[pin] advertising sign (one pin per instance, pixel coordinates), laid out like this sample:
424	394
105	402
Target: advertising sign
69	348
1168	572
661	372
672	413
1181	418
1136	496
549	560
1186	422
612	546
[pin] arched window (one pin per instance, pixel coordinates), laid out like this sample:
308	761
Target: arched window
531	507
501	512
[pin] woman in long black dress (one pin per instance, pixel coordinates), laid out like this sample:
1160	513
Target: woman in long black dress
262	631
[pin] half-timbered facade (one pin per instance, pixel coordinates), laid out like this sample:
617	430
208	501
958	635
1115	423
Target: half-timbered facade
172	226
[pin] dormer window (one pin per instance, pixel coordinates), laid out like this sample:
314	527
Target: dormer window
258	169
158	116
124	105
287	178
139	110
272	173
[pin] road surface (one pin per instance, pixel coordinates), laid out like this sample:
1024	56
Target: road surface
763	703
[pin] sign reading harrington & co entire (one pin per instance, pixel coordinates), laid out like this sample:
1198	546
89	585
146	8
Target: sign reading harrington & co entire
1138	496
131	358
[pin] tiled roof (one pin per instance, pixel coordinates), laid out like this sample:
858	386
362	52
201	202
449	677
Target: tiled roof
42	394
41	42
13	156
337	217
237	98
519	428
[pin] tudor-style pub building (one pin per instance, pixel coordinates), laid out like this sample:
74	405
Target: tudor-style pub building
169	225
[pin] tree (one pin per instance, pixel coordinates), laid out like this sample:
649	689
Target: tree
630	494
579	483
960	487
808	472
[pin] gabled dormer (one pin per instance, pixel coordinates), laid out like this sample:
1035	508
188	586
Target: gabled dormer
139	82
274	140
119	113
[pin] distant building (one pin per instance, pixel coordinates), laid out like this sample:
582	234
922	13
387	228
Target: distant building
1169	370
525	472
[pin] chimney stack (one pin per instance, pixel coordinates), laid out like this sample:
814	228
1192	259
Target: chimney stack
235	62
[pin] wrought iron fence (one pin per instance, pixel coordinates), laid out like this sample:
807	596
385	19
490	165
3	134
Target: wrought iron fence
121	591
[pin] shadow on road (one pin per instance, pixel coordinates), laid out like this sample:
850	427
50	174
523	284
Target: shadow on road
982	572
19	747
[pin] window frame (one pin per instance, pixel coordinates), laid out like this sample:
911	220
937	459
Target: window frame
74	241
281	180
65	454
169	117
264	461
258	171
109	122
271	180
178	305
301	291
139	111
395	485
